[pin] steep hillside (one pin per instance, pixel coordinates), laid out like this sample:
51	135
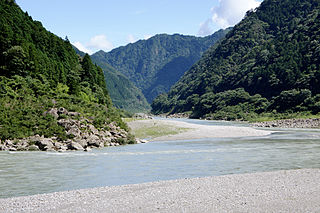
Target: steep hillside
42	78
123	93
269	62
154	65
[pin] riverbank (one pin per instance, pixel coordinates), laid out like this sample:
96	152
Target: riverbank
290	123
167	130
279	191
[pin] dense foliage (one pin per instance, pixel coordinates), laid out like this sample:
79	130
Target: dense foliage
269	62
124	94
154	65
39	70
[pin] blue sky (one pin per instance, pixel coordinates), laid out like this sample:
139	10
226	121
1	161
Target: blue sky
107	24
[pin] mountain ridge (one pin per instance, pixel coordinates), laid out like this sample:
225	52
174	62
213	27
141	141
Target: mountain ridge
123	93
267	63
147	62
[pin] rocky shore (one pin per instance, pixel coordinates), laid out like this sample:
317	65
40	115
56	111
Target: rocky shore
82	135
278	191
290	123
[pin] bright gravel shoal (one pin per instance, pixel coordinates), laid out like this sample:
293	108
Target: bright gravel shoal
279	191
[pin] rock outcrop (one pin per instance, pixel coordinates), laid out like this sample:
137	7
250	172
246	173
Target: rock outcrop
82	135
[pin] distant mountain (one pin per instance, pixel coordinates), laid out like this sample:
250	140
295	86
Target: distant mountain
124	94
154	65
268	63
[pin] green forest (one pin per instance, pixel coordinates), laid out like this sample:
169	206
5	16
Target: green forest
124	94
155	64
38	71
267	66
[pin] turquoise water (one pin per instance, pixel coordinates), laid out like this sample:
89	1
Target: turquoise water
27	173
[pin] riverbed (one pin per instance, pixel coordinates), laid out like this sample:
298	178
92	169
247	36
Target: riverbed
28	173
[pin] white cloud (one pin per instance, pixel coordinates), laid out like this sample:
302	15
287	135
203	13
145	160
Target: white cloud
205	28
146	37
230	12
100	42
131	38
96	43
81	47
226	14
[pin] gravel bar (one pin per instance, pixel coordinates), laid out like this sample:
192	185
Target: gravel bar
279	191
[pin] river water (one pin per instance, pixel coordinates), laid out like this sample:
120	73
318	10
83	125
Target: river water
27	173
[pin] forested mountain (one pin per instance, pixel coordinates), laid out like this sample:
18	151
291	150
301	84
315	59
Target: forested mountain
124	94
268	63
154	65
40	71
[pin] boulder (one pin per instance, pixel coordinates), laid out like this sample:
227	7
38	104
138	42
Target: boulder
74	131
93	140
74	114
82	142
75	146
88	149
45	144
62	111
12	149
33	148
93	129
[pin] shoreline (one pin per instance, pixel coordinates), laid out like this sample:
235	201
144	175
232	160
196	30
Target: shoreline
277	191
189	131
307	123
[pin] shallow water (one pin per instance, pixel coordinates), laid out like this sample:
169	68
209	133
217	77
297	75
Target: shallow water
27	173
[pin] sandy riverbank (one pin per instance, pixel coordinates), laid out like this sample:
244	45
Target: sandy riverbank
186	131
279	191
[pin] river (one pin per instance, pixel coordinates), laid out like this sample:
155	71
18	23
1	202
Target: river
28	173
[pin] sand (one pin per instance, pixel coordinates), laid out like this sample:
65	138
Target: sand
198	131
278	191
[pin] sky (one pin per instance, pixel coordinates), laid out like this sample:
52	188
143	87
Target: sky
106	24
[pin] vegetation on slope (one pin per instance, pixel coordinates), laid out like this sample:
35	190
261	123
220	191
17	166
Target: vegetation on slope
268	63
124	94
154	65
38	71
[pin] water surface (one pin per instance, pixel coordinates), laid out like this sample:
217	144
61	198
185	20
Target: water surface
27	173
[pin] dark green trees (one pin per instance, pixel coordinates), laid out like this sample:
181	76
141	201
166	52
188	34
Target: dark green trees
273	52
39	71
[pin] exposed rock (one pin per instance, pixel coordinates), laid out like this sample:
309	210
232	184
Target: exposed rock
138	141
82	142
95	141
178	115
33	148
74	114
74	131
290	123
142	116
75	146
62	111
45	144
83	133
93	129
88	149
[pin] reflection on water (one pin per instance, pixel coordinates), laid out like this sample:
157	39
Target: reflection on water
26	173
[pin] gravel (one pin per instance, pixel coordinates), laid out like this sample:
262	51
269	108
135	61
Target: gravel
198	131
279	191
